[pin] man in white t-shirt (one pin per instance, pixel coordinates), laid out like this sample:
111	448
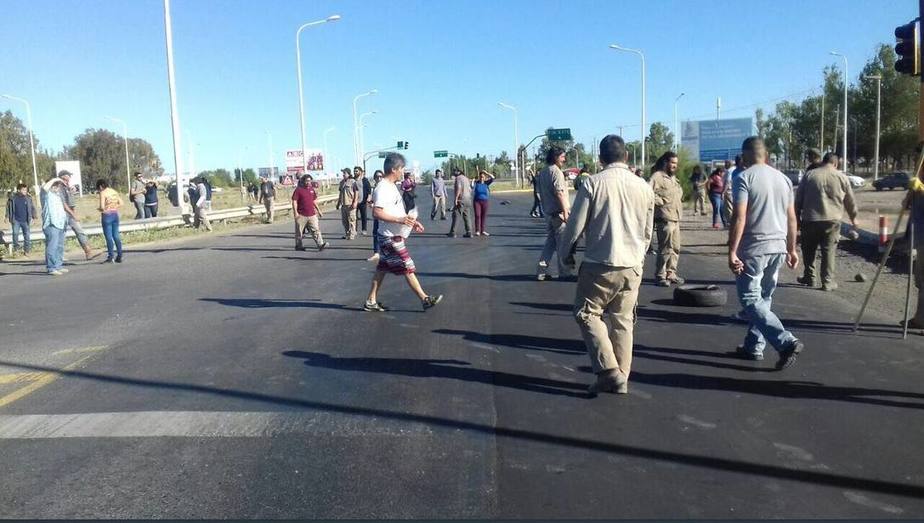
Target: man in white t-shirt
394	221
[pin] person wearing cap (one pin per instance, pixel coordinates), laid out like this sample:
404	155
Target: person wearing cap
347	202
136	194
438	192
267	196
70	206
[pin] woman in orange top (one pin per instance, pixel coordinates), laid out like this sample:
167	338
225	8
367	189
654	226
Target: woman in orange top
109	204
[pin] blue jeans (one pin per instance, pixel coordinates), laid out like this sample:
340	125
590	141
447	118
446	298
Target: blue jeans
375	235
26	242
755	292
111	232
54	248
717	203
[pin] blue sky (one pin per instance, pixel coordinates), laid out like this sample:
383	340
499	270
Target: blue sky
440	67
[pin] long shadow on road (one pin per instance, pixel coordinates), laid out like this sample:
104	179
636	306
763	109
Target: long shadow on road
449	369
256	303
694	460
520	341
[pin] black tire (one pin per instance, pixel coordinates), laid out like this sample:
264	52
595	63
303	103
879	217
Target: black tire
700	296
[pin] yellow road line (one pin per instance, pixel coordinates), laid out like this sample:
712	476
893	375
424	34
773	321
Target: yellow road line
44	379
20	377
78	351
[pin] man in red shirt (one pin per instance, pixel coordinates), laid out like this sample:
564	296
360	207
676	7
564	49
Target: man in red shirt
305	210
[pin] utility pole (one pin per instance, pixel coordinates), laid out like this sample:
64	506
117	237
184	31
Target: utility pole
878	79
837	118
821	140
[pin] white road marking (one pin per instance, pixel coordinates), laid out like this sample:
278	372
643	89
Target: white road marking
696	422
200	424
861	499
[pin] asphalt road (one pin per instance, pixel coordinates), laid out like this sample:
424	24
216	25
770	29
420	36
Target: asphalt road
231	376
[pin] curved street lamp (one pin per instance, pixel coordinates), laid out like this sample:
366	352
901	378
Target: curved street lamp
642	56
298	69
356	154
516	141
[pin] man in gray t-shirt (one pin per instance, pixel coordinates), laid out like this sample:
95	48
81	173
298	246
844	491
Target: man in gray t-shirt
762	239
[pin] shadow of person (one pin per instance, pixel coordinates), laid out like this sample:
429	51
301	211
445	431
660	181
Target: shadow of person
520	341
441	368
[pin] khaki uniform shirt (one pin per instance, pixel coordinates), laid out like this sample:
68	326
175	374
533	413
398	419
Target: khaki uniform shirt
614	210
824	195
668	196
348	191
552	181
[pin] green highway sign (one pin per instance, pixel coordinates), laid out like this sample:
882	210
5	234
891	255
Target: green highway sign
383	154
556	135
440	154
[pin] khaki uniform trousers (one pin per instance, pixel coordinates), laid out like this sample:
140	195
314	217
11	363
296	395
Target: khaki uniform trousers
699	200
270	211
314	229
604	308
348	219
668	234
821	235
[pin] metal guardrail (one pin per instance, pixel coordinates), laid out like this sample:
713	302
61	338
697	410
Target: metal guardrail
166	222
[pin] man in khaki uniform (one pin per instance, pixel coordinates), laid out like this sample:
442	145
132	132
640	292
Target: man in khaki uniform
553	192
821	200
347	203
614	211
668	209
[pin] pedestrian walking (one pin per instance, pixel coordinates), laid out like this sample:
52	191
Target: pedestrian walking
813	157
109	204
536	212
822	198
365	199
254	192
267	196
716	188
438	192
21	213
698	180
376	178
462	205
396	224
54	225
914	202
202	205
553	191
305	213
762	239
481	193
668	211
581	178
70	207
150	199
731	173
136	195
614	209
347	202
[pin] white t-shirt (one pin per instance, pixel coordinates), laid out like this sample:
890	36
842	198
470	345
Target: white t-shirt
387	196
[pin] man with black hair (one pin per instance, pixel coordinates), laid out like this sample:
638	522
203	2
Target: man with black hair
136	194
395	224
615	208
70	206
821	201
438	192
365	198
305	213
668	211
813	157
268	197
553	192
347	202
761	240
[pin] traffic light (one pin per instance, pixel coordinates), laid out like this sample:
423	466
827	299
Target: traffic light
401	145
406	144
908	48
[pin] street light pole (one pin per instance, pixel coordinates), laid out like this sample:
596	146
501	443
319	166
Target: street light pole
821	141
362	132
128	175
174	115
31	140
844	156
356	155
516	141
677	124
878	79
644	127
298	68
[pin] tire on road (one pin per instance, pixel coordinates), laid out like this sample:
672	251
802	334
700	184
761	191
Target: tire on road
700	296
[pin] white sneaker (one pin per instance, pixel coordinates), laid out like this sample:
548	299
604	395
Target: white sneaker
55	273
65	271
374	258
477	233
485	234
543	264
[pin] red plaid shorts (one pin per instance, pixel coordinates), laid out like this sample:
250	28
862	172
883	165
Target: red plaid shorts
393	256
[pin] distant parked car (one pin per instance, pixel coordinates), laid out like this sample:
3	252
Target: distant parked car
855	181
794	175
898	179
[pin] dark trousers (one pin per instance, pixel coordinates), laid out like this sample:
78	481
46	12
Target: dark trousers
481	214
361	215
375	235
537	205
815	236
463	210
150	211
